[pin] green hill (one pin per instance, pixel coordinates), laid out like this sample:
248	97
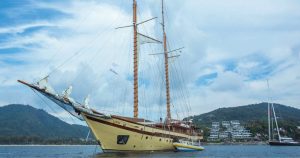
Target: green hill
25	124
254	117
248	113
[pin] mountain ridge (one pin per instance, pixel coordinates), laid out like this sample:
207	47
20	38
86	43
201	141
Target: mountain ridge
254	118
25	121
248	112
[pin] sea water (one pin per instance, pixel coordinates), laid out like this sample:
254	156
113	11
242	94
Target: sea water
211	151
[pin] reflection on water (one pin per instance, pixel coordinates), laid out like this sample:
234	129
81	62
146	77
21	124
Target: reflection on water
147	154
211	151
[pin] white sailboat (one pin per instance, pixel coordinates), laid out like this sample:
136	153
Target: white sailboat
280	141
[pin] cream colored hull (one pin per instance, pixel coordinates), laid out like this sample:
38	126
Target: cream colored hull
141	138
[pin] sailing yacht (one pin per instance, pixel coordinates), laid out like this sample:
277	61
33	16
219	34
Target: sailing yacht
116	133
281	141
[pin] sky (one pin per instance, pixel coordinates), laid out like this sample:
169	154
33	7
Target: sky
231	49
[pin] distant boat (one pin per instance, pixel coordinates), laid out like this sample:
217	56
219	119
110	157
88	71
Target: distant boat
116	133
281	141
285	141
188	146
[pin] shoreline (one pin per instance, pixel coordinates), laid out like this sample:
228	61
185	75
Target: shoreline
48	145
234	143
204	143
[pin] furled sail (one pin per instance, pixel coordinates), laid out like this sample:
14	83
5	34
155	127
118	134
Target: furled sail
43	84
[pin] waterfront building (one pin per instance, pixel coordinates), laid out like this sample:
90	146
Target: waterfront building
229	130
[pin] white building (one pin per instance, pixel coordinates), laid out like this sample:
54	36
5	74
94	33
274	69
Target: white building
233	130
226	124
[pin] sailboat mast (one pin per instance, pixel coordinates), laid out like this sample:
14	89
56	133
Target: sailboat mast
135	63
166	63
279	137
269	113
269	121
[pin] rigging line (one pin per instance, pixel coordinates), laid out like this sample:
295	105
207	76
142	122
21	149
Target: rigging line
183	94
78	52
155	72
97	57
61	45
50	106
156	83
182	88
161	81
176	94
124	101
129	68
118	77
141	83
43	100
177	90
160	85
167	17
111	30
115	96
69	59
185	83
102	47
146	67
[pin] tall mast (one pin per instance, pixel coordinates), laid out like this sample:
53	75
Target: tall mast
135	64
269	112
166	64
277	129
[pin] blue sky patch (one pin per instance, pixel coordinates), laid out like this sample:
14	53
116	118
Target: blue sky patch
11	50
17	13
206	79
10	61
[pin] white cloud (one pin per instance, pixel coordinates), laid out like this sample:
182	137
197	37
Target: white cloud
219	37
22	28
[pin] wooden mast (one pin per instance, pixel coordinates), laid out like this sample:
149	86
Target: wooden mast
135	63
166	64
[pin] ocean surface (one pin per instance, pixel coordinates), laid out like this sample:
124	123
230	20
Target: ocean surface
211	151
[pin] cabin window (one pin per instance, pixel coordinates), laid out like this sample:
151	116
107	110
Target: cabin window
122	139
